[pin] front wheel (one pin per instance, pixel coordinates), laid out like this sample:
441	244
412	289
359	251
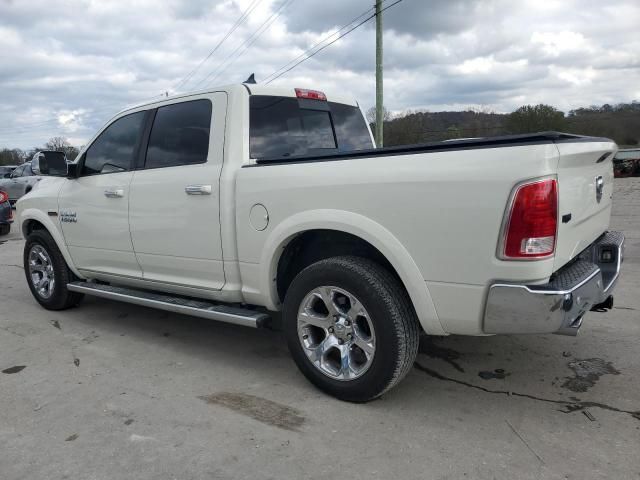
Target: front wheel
350	327
47	272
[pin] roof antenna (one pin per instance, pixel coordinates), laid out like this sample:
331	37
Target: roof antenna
251	79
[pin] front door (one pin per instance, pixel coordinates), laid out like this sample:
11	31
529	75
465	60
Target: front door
93	209
174	207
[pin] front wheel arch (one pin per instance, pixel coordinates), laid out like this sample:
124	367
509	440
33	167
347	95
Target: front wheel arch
32	219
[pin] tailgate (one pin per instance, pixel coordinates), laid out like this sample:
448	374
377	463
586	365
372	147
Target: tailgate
585	183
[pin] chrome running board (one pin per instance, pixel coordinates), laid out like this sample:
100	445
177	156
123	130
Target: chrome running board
172	303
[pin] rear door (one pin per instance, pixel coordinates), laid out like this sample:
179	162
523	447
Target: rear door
585	190
174	211
94	208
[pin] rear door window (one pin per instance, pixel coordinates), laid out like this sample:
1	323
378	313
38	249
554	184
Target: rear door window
279	127
180	135
115	149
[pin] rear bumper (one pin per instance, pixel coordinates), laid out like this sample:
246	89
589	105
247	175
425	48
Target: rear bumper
560	305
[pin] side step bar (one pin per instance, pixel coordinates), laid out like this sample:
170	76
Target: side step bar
177	304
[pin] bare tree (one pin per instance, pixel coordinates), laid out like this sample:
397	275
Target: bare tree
61	144
371	115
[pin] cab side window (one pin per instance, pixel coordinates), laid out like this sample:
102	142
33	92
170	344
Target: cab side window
180	135
115	149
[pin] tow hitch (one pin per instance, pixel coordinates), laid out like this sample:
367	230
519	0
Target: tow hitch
604	306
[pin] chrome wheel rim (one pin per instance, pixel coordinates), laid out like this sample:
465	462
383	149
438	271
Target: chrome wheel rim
41	271
336	333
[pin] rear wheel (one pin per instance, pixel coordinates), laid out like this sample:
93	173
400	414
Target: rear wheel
5	229
47	272
350	327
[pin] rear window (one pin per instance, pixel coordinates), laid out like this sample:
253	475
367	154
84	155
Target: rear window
279	127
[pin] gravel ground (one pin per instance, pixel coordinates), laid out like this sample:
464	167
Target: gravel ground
114	391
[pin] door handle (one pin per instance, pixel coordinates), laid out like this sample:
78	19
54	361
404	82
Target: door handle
114	193
198	189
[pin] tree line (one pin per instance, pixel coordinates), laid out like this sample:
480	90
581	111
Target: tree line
619	122
16	156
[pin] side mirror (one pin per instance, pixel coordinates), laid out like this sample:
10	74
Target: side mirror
39	164
73	170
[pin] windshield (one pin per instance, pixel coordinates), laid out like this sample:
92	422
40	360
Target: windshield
285	126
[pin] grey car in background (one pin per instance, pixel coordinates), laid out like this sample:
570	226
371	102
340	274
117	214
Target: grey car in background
26	176
21	181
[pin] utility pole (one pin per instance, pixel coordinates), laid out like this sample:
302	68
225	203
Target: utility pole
379	85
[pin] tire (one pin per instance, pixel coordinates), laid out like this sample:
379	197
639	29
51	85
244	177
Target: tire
42	245
5	229
393	328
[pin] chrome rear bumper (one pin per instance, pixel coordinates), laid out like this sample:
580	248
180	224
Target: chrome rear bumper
558	306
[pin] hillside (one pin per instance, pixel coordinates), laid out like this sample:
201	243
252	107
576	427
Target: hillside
620	123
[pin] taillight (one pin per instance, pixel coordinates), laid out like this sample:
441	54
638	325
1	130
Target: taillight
3	197
310	94
531	228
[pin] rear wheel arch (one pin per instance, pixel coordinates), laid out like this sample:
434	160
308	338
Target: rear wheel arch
312	246
389	251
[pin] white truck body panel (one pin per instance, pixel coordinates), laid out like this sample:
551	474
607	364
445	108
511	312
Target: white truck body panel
101	242
581	164
189	253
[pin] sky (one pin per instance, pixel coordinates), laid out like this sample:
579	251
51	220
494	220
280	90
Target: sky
67	66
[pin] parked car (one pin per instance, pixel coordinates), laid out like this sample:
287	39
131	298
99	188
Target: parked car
6	214
232	203
5	170
21	181
24	178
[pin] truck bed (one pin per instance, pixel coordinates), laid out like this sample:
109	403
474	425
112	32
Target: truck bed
539	138
441	205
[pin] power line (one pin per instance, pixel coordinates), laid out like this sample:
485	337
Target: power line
332	42
311	48
243	46
54	122
234	27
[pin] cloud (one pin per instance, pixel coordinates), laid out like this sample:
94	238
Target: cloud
67	67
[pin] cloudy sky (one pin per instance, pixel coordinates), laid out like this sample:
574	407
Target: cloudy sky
67	66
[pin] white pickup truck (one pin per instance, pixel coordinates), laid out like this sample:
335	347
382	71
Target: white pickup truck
233	203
